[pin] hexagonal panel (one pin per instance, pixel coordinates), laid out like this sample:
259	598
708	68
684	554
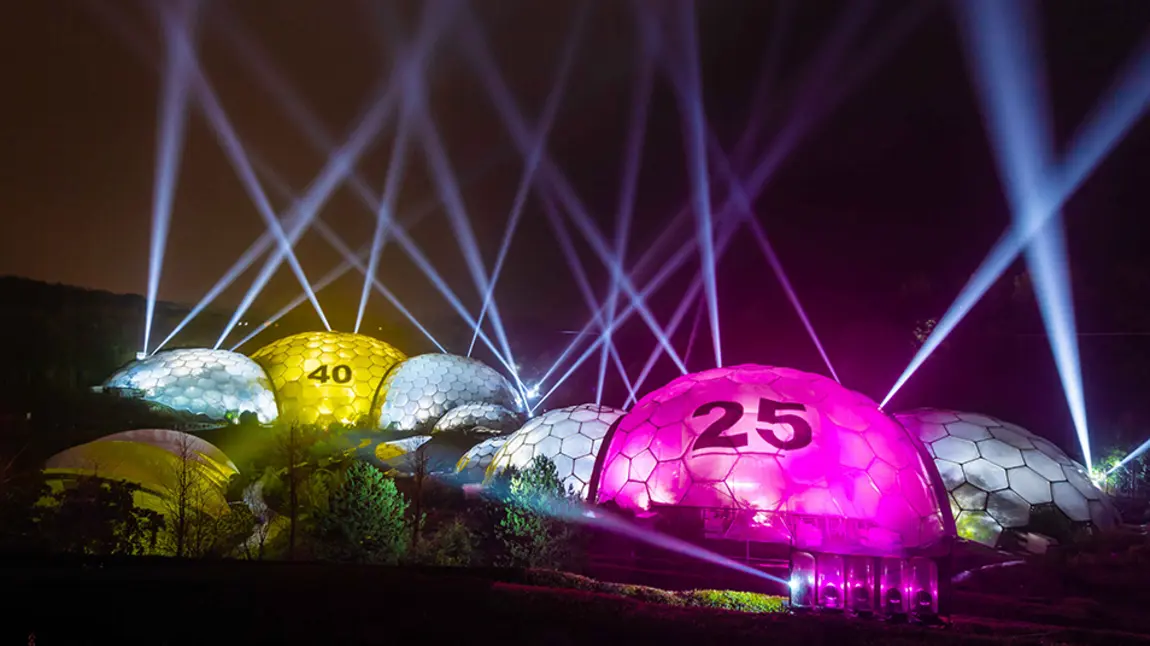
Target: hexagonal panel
1008	508
1016	437
956	449
1071	502
1000	453
422	389
951	472
317	384
1044	465
969	497
978	526
641	466
967	431
985	476
800	444
1033	488
217	384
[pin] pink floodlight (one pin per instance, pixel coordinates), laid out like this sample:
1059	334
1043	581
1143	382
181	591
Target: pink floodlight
776	455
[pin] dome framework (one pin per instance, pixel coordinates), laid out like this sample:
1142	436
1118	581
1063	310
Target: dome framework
999	476
217	384
323	378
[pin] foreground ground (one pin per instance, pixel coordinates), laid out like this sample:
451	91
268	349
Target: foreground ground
169	602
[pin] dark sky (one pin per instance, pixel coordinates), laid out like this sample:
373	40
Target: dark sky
898	182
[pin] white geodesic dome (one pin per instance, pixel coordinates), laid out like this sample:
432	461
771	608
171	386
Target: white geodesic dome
570	437
474	463
423	388
489	416
998	474
213	383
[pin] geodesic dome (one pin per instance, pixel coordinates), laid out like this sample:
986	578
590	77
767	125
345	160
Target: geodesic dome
783	455
213	383
999	474
488	416
160	461
179	444
571	437
423	388
324	378
385	451
474	463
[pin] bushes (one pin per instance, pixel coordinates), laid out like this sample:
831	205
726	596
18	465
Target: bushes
718	599
735	600
452	545
96	516
531	530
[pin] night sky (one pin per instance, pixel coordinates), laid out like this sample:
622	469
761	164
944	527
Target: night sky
878	216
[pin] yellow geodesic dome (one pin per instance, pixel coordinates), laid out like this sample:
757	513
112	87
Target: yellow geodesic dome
158	460
323	378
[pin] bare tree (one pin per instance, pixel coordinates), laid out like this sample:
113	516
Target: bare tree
179	499
196	524
294	447
423	462
420	470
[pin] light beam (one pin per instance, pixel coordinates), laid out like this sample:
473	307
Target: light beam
691	107
512	117
232	146
1006	58
1114	115
546	121
395	171
632	159
172	125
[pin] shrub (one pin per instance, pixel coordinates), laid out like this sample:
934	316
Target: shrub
451	545
735	600
531	530
365	520
99	516
720	599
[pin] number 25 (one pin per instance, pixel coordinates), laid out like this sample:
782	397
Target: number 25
712	436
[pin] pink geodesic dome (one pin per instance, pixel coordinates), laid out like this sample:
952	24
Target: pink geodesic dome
800	458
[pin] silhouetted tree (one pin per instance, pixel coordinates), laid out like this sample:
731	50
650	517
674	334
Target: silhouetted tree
20	492
93	515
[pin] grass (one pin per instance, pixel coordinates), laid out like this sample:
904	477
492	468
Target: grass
717	599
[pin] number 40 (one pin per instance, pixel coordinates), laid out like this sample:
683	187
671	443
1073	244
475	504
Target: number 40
340	374
712	436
